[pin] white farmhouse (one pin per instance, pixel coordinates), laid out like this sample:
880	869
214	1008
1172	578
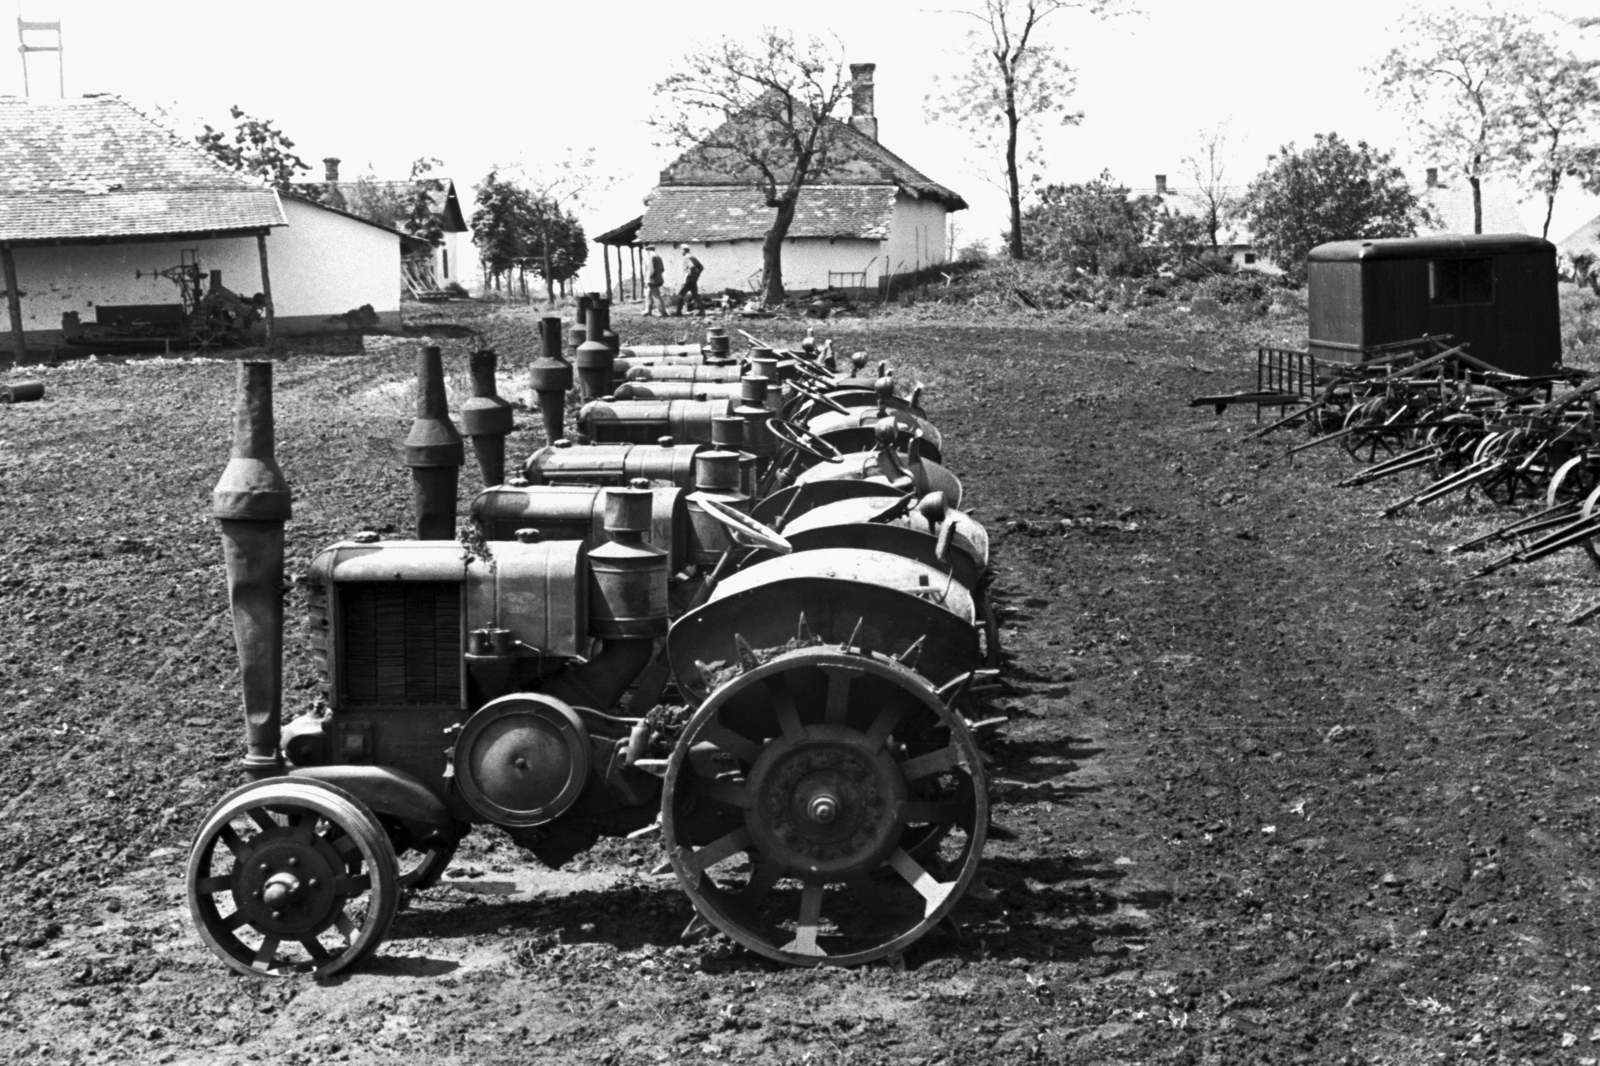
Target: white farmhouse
868	217
97	198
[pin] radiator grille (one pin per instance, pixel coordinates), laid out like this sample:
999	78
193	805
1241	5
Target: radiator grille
402	643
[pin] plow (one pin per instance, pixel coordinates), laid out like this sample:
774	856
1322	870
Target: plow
1426	407
747	616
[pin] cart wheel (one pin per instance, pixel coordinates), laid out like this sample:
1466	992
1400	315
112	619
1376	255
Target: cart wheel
291	877
825	808
1575	479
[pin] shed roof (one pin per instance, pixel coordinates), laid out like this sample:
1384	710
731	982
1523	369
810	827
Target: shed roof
96	168
739	212
627	233
1434	247
1451	201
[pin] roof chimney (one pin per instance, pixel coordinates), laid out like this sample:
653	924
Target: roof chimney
861	116
1161	185
330	168
1433	177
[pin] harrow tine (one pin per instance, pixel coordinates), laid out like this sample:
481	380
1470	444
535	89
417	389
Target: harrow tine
1405	461
1545	519
1569	535
1460	479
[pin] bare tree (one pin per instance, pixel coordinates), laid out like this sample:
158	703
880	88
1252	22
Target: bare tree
1207	165
761	111
1014	78
1458	77
1559	107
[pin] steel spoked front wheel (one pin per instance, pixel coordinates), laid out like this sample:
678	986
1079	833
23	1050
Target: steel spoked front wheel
290	877
825	807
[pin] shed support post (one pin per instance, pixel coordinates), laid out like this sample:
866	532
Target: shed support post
266	292
605	257
13	302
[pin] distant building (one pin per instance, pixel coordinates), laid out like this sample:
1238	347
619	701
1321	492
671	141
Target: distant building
96	196
1579	253
869	216
453	260
1234	239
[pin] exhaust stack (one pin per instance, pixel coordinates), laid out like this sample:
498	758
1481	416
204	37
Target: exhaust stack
487	419
433	452
596	359
550	377
251	502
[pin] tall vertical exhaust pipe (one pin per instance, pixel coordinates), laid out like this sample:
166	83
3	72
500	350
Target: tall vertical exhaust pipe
596	359
486	418
251	502
433	452
550	378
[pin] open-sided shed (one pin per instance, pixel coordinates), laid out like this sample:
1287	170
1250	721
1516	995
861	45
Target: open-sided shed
1495	291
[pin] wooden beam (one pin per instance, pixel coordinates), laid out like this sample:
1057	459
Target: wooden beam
605	257
266	291
13	303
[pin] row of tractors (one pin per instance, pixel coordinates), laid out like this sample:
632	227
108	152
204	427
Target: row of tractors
734	603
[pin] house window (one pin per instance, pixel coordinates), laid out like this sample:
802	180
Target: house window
445	252
1249	257
1461	281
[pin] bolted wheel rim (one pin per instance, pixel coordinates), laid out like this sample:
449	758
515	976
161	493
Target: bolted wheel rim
291	877
825	807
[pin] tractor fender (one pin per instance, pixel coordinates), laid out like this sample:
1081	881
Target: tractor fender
390	792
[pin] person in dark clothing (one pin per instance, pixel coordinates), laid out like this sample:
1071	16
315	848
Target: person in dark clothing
658	276
691	284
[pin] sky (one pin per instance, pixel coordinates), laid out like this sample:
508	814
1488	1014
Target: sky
501	83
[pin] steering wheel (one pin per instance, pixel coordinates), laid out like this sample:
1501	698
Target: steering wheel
819	398
744	529
805	366
803	440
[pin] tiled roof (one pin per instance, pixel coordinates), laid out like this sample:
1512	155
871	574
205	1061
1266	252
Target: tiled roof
1452	202
96	168
1585	240
853	159
679	213
444	202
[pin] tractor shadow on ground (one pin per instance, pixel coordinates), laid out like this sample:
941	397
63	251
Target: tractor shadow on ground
625	919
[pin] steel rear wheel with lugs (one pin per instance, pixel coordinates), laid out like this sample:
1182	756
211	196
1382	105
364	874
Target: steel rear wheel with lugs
291	877
825	807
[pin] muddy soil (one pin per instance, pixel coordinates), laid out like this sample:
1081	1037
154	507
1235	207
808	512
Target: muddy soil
1283	786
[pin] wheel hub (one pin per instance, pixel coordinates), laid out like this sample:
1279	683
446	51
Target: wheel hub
287	886
825	805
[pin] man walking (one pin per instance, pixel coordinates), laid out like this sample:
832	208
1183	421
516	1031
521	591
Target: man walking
691	284
658	275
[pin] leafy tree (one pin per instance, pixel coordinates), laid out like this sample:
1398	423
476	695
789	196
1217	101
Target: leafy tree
1458	78
256	147
1330	191
1013	79
516	230
1094	227
765	108
499	221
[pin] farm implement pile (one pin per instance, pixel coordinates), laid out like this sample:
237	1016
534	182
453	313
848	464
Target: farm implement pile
737	604
1427	408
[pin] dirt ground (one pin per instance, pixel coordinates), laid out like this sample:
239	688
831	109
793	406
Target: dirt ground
1284	787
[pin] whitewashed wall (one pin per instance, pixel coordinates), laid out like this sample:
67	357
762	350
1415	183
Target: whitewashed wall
322	264
916	235
806	262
